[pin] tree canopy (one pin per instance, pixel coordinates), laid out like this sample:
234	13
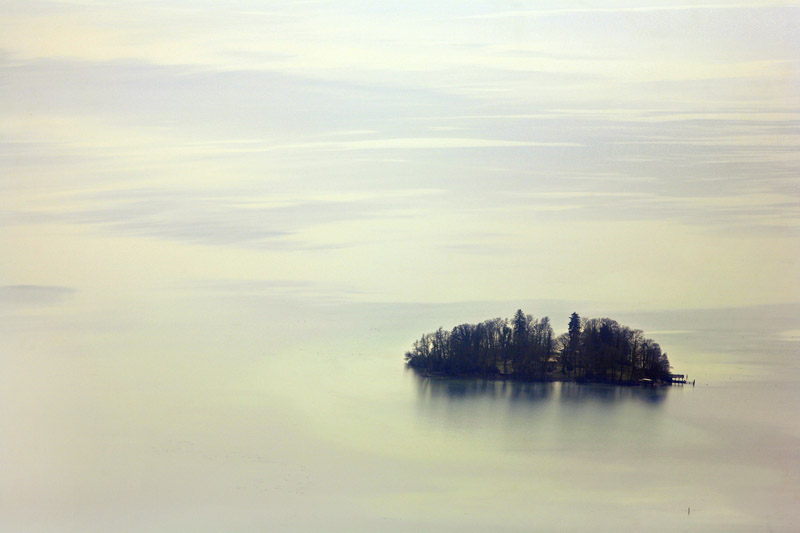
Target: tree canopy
524	347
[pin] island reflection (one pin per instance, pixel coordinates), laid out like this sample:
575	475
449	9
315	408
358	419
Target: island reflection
436	389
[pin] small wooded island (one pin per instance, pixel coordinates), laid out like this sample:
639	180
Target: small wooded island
597	350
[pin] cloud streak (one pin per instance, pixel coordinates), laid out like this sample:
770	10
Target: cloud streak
413	149
33	295
547	12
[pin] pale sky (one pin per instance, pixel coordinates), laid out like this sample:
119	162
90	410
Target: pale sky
636	154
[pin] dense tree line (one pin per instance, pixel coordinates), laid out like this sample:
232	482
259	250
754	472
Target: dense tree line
524	347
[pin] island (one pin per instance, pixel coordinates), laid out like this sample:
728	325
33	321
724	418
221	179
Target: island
595	350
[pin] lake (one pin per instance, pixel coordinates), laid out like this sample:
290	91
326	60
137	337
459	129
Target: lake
214	409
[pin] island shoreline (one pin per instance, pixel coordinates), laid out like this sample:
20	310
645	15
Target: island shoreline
550	379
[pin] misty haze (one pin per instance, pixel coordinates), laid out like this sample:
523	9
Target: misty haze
229	232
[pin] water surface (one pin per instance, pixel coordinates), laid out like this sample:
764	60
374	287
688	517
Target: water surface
224	419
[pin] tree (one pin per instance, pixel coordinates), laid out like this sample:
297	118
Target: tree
506	344
570	350
520	323
521	356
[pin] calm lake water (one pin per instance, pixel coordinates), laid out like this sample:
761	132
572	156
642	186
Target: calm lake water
218	411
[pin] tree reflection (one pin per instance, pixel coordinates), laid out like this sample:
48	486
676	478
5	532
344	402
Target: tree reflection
437	389
609	394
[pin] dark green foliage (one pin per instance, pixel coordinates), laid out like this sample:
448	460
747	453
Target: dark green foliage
524	347
570	344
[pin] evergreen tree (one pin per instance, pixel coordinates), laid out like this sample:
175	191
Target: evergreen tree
570	354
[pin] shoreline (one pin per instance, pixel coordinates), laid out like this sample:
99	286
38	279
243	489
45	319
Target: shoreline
546	379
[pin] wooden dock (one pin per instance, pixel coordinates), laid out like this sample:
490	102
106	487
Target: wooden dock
673	379
680	378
